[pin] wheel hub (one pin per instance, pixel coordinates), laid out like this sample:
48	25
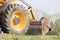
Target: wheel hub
18	20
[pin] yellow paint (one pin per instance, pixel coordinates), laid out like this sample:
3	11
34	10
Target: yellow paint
2	2
22	19
31	16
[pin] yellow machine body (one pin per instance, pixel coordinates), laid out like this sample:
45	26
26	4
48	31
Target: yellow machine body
2	2
22	18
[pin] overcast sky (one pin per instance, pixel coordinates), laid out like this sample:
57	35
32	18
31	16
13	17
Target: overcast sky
49	6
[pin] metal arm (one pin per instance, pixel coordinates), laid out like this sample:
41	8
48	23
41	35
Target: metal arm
25	3
32	13
29	8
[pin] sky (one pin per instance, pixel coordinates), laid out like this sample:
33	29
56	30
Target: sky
48	6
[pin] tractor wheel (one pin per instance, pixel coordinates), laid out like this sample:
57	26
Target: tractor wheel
17	19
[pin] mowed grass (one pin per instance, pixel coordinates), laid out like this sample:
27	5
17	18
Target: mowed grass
29	37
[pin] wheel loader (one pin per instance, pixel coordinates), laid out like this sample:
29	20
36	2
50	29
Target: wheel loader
16	19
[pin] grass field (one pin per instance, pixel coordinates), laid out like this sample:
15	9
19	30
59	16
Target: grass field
29	37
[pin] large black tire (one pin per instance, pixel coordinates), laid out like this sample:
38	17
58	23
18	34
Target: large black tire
3	26
9	11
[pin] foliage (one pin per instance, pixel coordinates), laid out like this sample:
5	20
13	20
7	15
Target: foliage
57	26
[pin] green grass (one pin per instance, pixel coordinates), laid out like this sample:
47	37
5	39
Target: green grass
29	37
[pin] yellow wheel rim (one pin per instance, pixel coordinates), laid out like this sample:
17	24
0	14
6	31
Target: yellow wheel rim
18	20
